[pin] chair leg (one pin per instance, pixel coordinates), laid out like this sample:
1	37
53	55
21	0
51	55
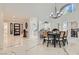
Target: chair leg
47	43
63	42
54	43
44	41
67	42
59	44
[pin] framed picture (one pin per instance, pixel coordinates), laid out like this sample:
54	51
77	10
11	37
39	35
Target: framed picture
11	28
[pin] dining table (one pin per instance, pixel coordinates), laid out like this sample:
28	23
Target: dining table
54	37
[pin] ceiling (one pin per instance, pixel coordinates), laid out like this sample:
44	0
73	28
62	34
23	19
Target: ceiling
22	10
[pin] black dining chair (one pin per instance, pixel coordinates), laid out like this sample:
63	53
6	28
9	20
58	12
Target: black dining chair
65	41
60	38
50	38
63	38
47	38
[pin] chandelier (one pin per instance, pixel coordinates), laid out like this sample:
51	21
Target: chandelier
58	13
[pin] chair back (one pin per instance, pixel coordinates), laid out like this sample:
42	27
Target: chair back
66	33
54	32
61	34
45	34
50	34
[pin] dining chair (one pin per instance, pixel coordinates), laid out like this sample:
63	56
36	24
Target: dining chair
50	38
45	36
65	38
60	38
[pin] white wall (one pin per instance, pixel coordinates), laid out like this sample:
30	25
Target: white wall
41	11
33	27
1	28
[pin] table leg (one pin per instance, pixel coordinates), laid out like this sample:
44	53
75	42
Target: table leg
54	42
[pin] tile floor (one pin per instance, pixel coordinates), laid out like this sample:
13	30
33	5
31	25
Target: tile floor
24	46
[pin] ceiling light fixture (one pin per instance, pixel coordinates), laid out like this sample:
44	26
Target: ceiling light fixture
58	13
